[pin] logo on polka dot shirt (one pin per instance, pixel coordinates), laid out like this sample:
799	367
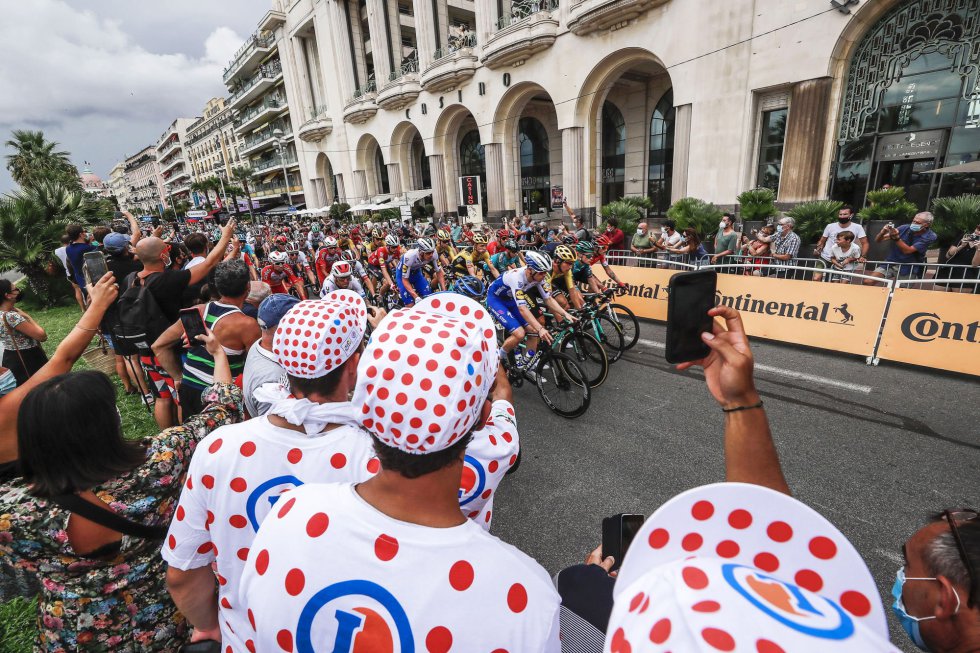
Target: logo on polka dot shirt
316	336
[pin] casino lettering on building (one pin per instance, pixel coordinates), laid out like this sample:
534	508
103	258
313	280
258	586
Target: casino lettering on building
612	98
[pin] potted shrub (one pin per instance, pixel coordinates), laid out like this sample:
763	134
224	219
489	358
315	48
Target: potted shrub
954	216
757	204
692	212
812	217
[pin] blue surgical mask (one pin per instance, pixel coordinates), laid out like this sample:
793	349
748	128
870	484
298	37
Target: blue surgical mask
909	623
915	227
7	382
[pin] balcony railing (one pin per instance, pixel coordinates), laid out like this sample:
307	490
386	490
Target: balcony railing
268	71
258	167
265	134
273	188
251	112
408	68
455	45
260	40
168	147
367	89
522	9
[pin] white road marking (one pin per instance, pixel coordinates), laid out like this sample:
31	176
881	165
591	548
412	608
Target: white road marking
799	376
894	556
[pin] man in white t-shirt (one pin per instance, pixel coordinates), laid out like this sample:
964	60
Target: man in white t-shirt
262	364
829	238
393	559
237	474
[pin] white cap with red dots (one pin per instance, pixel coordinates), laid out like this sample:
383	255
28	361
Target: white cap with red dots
316	336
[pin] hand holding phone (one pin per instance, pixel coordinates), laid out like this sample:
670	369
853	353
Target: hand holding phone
193	324
692	295
93	267
618	532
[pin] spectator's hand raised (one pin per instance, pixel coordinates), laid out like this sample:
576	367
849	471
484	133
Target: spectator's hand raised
104	292
728	368
229	228
211	344
595	558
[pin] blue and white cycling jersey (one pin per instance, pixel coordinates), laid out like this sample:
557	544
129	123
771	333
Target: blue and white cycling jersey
508	293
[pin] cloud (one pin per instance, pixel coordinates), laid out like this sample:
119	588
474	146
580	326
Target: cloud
65	64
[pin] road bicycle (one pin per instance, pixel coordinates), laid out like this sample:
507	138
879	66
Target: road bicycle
584	348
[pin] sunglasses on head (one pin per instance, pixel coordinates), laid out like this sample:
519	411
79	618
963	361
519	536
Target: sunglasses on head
962	515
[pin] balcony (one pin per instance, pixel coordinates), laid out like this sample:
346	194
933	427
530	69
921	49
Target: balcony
263	138
452	65
255	86
272	20
402	87
170	165
259	114
271	188
256	47
271	163
169	146
528	28
590	16
317	127
361	106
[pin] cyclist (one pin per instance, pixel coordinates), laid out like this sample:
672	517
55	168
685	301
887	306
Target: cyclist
382	260
508	258
550	247
445	251
582	269
341	277
326	257
562	283
498	244
411	282
602	244
474	263
279	276
359	271
507	300
300	266
377	240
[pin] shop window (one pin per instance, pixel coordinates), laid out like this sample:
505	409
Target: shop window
772	137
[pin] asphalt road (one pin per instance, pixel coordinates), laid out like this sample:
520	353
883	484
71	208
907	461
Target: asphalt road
873	449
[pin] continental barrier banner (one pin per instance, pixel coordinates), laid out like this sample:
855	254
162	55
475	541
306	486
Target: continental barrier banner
933	329
840	317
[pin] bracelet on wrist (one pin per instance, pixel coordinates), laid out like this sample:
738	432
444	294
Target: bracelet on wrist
79	326
735	409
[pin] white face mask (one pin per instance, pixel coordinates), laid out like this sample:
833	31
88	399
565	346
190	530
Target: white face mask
722	224
640	232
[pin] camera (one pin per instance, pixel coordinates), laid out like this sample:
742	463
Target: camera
890	225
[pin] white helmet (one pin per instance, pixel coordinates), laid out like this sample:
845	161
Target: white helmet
330	242
342	269
278	257
425	245
391	240
538	261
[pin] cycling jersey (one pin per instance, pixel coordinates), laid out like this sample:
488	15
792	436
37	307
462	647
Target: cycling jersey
509	292
279	280
324	262
410	268
480	263
330	284
502	261
384	256
411	261
561	282
581	272
447	251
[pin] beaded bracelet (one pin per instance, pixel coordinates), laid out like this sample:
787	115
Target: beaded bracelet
735	409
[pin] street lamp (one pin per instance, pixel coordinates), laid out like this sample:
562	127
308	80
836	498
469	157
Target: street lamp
281	146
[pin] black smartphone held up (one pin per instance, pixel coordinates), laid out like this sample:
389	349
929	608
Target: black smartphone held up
93	267
691	296
193	324
204	646
618	532
117	215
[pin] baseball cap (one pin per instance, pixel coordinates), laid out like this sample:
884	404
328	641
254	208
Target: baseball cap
424	375
116	243
273	308
316	336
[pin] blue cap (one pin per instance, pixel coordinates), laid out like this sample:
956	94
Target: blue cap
116	243
273	308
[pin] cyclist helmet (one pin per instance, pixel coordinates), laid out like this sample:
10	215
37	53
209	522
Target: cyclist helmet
281	239
511	245
584	247
564	253
479	239
470	286
569	239
428	230
342	269
343	231
376	233
425	245
603	241
330	242
538	261
503	233
443	234
391	240
348	255
278	257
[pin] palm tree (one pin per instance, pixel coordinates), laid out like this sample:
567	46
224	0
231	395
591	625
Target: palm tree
235	192
35	158
27	240
204	188
243	174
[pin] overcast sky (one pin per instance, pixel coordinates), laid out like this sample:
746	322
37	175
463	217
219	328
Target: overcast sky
105	78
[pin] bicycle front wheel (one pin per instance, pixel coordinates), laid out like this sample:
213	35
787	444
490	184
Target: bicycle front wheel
609	334
630	325
585	350
562	384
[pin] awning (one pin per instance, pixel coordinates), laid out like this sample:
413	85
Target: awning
272	175
414	196
965	168
382	199
362	207
281	210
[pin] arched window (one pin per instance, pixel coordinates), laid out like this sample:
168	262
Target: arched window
613	153
472	161
419	159
382	169
660	167
532	138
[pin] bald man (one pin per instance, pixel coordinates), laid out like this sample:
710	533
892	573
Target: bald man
167	286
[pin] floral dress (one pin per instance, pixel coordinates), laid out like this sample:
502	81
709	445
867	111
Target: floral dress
118	602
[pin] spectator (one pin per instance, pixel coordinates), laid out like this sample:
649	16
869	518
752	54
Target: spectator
257	292
641	244
98	235
103	577
726	242
827	241
615	235
908	252
758	249
844	256
963	263
62	254
690	246
76	249
401	534
121	263
197	244
309	435
262	364
785	244
234	330
20	334
669	238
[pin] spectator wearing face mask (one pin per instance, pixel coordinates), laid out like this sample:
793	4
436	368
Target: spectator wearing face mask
641	243
726	242
827	241
669	238
614	234
690	249
909	244
963	263
785	244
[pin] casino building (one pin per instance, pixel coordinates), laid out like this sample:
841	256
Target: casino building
598	99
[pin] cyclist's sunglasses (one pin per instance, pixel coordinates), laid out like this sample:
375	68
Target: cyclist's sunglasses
954	515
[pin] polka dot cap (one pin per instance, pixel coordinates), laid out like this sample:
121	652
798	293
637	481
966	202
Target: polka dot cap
318	335
711	604
763	529
424	376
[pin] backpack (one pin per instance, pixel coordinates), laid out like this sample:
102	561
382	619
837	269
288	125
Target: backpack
141	320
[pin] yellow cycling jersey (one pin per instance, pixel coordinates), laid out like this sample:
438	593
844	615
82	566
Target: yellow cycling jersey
448	251
563	282
479	263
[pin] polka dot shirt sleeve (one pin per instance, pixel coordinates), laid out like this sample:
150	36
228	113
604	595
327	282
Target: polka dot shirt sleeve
490	454
188	543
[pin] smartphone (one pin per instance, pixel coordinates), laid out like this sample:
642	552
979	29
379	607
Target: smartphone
691	296
193	324
93	267
618	532
204	646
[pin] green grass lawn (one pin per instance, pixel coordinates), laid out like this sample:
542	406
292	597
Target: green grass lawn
17	616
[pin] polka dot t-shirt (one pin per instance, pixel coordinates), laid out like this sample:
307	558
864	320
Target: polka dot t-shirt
491	452
327	571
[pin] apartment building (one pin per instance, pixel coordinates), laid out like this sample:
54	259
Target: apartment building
211	142
173	161
146	194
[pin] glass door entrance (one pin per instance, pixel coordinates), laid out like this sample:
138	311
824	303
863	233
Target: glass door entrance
910	175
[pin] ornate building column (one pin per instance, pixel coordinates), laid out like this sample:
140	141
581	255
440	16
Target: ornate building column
394	178
573	166
494	153
438	175
360	186
682	152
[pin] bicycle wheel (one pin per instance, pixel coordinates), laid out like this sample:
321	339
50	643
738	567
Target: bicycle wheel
609	334
630	326
562	385
585	350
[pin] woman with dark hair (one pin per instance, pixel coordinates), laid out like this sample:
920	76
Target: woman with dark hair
89	513
20	334
690	245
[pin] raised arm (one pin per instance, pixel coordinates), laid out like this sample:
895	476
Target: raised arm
199	272
134	228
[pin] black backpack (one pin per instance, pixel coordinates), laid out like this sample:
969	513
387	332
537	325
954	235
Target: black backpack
140	318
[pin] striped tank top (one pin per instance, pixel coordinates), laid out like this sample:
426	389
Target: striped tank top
199	364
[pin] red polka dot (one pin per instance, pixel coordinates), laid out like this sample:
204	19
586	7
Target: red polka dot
702	510
262	562
172	541
243	554
385	547
619	643
779	531
238	521
808	580
439	640
660	632
317	525
637	601
239	484
286	508
765	646
461	576
727	549
517	598
338	460
823	548
856	603
718	639
180	513
740	519
208	481
694	578
284	639
247	449
658	538
493	466
766	562
295	581
215	446
225	603
251	618
250	645
205	548
294	455
373	465
692	542
706	606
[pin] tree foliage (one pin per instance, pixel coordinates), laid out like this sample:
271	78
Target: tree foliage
812	217
757	204
36	159
954	216
697	214
888	204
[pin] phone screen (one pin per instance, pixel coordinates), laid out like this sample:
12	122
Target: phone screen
618	532
692	295
93	267
193	324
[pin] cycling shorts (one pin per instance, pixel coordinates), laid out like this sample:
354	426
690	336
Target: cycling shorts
418	281
505	311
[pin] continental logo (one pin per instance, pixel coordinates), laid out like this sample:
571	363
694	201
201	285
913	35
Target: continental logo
926	327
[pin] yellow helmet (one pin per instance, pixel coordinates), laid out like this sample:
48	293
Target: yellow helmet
565	253
443	234
479	239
